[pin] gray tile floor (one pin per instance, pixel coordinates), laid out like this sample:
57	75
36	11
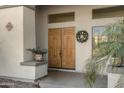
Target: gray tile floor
62	79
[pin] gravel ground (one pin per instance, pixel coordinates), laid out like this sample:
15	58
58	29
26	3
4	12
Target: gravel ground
8	83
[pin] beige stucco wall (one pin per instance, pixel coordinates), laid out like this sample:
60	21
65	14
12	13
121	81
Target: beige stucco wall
29	32
13	43
83	21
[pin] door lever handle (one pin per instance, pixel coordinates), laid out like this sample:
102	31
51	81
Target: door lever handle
60	53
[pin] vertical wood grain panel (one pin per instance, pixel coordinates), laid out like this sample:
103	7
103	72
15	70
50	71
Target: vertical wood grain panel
68	47
54	47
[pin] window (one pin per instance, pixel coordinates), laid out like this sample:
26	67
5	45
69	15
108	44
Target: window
62	17
116	11
97	37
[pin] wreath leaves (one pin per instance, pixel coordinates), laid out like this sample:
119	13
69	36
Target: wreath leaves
82	36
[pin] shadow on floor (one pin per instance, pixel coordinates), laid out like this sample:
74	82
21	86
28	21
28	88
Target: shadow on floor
62	79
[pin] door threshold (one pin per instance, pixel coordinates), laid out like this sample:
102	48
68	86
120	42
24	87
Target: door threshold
58	69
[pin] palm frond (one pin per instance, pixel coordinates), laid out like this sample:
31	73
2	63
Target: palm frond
113	47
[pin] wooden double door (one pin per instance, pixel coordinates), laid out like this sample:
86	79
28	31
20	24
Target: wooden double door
61	47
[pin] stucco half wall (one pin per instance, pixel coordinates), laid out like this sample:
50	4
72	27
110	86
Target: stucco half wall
13	44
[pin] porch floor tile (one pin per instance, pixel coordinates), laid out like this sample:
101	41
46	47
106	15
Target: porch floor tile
62	79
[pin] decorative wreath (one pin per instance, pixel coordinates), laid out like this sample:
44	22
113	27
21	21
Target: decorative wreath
82	36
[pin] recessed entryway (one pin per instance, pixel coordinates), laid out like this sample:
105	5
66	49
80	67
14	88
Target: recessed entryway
62	79
61	47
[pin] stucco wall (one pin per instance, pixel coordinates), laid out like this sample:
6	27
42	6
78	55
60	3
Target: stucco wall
113	80
29	32
83	21
12	42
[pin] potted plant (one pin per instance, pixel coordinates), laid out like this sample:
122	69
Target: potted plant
38	53
112	49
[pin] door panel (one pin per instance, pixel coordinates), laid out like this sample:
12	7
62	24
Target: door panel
61	47
54	47
68	48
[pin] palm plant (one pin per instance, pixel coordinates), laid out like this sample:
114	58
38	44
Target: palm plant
112	48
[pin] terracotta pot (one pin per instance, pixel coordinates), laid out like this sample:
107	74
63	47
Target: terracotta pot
37	57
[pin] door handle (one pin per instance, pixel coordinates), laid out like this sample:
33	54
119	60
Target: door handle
60	53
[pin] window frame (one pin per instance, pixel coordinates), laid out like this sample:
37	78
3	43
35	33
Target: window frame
93	36
59	15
